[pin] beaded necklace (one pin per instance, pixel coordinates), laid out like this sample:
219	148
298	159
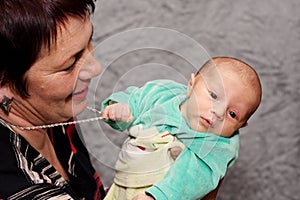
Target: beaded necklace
29	128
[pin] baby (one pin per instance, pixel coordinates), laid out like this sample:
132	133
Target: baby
202	118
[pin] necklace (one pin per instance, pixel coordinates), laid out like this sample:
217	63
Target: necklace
29	128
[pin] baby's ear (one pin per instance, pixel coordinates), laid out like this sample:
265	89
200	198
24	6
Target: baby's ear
245	124
190	85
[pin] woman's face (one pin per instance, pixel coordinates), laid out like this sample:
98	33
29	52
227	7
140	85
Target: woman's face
58	81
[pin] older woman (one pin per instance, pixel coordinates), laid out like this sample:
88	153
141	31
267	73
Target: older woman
46	67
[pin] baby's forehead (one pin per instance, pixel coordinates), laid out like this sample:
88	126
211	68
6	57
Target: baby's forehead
214	75
228	76
235	71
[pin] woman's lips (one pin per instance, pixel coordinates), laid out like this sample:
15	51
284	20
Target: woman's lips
81	94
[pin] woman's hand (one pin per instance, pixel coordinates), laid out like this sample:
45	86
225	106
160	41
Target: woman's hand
142	197
117	112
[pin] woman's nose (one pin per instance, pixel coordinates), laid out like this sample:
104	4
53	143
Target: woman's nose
90	68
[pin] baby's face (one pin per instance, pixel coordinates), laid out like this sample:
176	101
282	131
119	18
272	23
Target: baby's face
219	102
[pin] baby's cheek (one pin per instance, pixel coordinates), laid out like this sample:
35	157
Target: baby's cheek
228	130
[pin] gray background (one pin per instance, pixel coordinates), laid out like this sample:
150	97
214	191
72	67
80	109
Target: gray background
264	33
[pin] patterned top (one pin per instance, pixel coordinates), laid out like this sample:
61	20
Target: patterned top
26	174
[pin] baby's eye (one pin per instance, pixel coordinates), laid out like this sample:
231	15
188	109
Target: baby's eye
232	114
213	95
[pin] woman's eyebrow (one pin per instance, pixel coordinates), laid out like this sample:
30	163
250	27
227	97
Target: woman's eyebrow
79	53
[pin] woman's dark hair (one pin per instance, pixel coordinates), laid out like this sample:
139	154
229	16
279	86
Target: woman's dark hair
27	26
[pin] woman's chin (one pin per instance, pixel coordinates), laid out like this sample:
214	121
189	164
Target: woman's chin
78	107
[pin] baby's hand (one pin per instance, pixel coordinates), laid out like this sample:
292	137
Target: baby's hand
117	112
175	151
142	197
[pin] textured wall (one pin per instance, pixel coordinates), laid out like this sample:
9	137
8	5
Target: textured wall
265	34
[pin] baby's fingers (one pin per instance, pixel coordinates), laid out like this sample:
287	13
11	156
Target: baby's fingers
105	113
121	112
117	112
125	115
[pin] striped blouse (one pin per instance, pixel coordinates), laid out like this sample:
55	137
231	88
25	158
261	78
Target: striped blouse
26	174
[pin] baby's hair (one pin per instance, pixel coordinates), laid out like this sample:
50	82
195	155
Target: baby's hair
216	61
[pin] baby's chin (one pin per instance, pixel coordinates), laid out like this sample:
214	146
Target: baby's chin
215	131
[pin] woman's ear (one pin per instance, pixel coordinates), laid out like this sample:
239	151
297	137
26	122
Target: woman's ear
190	85
6	99
5	91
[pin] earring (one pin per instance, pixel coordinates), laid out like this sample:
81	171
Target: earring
6	103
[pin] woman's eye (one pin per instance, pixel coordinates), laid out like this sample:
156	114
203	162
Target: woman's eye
71	67
213	95
232	114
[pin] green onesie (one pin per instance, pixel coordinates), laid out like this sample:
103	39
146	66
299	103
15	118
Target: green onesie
203	162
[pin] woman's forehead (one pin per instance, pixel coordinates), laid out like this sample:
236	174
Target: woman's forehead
71	29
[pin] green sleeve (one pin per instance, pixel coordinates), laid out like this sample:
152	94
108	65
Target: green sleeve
145	102
193	175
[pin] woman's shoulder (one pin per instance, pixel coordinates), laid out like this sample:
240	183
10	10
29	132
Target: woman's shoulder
12	176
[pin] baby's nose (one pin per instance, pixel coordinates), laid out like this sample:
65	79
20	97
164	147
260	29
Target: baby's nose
218	111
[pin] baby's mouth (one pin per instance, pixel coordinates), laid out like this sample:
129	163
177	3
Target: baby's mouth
206	122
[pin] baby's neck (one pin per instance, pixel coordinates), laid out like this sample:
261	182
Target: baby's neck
182	108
